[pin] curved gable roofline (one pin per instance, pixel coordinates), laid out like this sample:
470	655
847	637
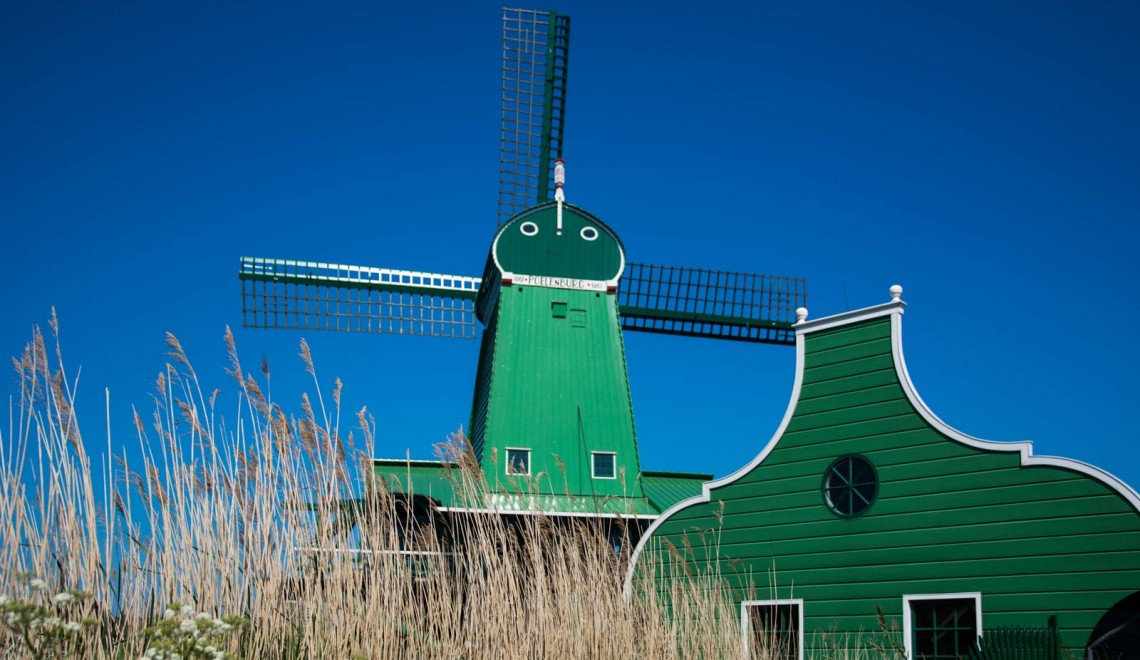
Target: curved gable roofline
894	309
1024	447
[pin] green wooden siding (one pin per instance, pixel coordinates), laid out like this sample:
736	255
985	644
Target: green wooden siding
949	518
432	479
559	388
478	428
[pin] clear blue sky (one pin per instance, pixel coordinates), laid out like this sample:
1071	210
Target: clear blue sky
983	155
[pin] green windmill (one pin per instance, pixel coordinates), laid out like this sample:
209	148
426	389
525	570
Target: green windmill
552	424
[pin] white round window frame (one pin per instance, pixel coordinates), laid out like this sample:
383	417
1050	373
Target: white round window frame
582	233
528	225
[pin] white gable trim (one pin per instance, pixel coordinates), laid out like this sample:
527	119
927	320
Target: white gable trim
1023	447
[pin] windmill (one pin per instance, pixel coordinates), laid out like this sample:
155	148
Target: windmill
552	419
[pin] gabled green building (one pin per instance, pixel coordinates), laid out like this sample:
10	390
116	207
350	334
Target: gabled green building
865	499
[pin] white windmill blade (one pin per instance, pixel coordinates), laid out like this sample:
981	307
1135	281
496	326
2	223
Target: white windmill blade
309	295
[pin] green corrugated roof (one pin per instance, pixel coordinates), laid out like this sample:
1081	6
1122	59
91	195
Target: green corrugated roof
664	489
433	479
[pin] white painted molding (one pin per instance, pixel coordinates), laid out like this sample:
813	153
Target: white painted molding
551	514
907	623
854	316
1023	447
746	627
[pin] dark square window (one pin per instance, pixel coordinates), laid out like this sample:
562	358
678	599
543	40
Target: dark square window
943	628
604	465
773	630
558	309
518	461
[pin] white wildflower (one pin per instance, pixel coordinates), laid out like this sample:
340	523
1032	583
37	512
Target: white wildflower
150	653
38	584
187	625
168	613
187	610
11	618
201	616
175	656
73	626
220	655
62	598
210	649
53	623
3	600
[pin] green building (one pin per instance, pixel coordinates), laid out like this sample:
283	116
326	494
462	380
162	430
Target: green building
865	499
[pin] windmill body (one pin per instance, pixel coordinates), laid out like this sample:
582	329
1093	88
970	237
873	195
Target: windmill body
552	384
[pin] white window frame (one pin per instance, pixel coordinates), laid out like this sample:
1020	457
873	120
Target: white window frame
594	472
908	635
746	622
507	467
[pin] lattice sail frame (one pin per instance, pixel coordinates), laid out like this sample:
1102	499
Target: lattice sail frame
305	295
536	47
709	303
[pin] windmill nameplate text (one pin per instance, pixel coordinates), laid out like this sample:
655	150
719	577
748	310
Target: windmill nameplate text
557	282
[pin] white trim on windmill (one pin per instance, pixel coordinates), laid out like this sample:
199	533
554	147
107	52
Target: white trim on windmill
559	181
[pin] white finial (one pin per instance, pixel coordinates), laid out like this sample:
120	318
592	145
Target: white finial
559	181
801	314
896	292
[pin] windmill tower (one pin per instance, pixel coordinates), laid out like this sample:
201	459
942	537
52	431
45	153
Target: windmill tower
552	419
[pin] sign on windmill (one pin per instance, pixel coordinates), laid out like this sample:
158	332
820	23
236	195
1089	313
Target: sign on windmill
554	301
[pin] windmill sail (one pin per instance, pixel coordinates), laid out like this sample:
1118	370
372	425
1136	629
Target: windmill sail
536	48
709	303
307	295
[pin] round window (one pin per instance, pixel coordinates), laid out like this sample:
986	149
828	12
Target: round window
850	486
589	233
528	228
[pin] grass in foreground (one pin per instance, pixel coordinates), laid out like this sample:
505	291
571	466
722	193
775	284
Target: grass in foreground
191	551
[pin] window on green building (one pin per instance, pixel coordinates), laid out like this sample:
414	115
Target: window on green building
605	465
773	629
941	626
850	485
518	461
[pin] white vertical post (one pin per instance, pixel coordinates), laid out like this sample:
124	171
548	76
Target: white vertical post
559	181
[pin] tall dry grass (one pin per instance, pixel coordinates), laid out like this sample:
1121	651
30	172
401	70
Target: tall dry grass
246	516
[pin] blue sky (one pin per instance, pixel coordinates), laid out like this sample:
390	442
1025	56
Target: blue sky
982	155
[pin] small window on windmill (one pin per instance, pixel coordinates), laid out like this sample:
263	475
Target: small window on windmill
605	465
577	318
518	461
558	309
